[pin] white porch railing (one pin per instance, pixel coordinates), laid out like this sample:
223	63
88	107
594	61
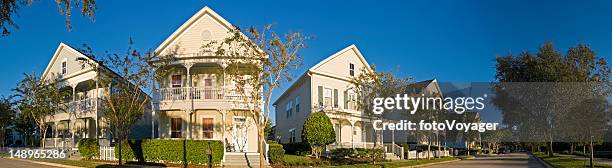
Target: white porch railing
84	105
107	153
198	93
395	149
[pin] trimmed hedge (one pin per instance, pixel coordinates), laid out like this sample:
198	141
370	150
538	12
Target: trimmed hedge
171	151
357	153
276	153
89	148
300	148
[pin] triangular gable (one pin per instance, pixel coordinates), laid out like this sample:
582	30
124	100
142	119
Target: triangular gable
204	15
63	51
335	61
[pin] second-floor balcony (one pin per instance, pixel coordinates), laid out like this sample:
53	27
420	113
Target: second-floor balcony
83	105
181	97
197	93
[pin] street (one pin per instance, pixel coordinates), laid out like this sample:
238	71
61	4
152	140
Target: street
513	160
16	163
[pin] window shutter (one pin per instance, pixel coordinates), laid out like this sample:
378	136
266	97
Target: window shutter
320	95
336	98
346	99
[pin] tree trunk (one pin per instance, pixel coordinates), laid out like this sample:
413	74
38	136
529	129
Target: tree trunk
120	153
43	131
261	147
550	149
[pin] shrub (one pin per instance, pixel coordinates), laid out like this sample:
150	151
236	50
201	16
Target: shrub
276	153
357	153
343	152
89	148
318	131
300	148
367	153
154	150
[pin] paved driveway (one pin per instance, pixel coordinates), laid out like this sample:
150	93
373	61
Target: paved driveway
513	160
15	163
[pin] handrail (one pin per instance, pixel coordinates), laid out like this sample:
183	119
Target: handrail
198	93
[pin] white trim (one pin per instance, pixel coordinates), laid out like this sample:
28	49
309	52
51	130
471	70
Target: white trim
352	47
190	22
56	55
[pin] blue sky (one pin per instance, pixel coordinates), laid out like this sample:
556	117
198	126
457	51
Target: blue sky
453	41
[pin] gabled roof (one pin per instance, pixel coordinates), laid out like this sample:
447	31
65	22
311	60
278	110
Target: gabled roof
417	88
190	22
352	47
311	70
61	47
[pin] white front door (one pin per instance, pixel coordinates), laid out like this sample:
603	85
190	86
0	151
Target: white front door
240	134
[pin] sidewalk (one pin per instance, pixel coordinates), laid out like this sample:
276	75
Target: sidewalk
600	160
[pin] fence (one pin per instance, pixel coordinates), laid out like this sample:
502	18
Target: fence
107	153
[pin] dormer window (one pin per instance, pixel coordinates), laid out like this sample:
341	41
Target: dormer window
64	67
351	69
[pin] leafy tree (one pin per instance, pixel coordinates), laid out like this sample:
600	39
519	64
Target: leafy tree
8	8
128	75
40	99
318	131
539	109
370	84
26	126
258	63
7	117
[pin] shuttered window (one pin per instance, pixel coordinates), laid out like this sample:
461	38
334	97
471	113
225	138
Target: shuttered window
207	128
320	89
176	124
335	98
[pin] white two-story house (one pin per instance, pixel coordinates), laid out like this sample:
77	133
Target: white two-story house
326	87
83	117
197	100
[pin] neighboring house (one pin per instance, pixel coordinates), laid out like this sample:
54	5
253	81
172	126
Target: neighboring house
326	87
428	88
83	118
197	101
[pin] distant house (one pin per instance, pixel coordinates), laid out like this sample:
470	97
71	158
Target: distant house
326	87
83	118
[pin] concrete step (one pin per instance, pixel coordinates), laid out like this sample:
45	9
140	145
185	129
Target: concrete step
242	160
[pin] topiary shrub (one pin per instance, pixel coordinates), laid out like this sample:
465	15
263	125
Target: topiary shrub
89	148
343	152
318	131
276	153
171	151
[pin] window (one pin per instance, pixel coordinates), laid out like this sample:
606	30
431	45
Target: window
292	135
207	128
297	104
288	108
64	66
351	69
175	127
177	81
327	97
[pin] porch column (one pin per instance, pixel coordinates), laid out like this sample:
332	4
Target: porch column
188	66
96	106
353	136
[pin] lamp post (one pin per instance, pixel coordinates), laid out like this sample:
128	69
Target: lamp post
591	159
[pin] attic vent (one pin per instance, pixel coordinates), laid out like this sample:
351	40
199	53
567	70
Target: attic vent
205	35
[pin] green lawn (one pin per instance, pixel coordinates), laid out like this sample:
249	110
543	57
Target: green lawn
79	163
402	163
567	162
293	160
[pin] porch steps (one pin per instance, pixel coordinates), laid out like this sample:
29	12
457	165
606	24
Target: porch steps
242	160
392	156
